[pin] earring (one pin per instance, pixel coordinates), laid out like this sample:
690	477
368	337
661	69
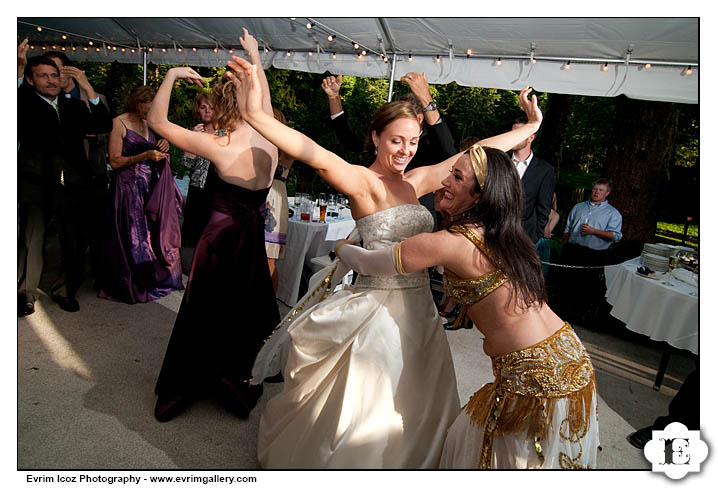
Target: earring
376	150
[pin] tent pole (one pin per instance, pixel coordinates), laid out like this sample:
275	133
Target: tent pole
144	67
391	78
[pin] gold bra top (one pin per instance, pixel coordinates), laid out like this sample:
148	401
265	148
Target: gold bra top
471	290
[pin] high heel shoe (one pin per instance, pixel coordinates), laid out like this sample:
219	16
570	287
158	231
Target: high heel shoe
167	407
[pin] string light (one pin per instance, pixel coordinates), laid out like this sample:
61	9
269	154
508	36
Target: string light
97	49
63	48
74	48
330	37
689	71
54	46
164	50
469	52
438	59
216	50
64	36
194	50
567	66
363	52
84	48
533	61
647	66
123	50
356	46
44	48
149	49
32	47
179	50
498	61
231	51
310	53
90	43
114	48
334	55
410	58
604	67
39	29
309	25
132	50
289	53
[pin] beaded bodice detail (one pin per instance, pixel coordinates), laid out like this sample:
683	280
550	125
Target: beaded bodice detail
388	227
471	290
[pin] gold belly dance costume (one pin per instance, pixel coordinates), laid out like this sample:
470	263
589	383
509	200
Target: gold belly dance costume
533	386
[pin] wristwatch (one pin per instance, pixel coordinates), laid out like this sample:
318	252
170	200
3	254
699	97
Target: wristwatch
431	106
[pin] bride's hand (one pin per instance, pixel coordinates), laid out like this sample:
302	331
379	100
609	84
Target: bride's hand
530	107
188	74
247	88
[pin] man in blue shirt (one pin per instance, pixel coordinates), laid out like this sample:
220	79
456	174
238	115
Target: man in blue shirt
591	228
594	224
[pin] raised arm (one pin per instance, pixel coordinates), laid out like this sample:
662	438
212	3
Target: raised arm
249	43
346	178
428	178
508	140
187	140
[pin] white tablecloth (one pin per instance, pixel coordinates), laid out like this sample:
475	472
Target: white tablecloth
306	240
665	310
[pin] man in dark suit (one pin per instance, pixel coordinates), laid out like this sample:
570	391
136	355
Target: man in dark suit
538	181
53	176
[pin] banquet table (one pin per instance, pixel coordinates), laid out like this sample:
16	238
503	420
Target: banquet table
306	240
664	309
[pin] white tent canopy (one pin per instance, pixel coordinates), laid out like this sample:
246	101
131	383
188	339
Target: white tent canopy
642	58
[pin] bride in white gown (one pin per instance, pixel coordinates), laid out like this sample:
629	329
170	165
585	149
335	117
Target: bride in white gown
369	379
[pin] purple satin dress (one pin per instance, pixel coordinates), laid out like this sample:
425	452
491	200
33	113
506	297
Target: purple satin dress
142	234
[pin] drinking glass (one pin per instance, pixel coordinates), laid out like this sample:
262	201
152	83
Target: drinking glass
332	207
322	203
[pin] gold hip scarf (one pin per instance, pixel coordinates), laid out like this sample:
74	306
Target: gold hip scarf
529	384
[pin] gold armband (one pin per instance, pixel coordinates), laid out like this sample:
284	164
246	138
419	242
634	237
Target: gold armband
397	259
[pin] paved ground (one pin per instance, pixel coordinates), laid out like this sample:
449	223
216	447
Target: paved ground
85	391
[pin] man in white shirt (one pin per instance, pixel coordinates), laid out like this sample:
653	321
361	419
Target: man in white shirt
538	181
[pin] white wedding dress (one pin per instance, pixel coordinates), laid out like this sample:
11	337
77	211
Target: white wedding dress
369	380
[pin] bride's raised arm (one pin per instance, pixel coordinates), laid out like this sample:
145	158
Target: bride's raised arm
427	179
346	178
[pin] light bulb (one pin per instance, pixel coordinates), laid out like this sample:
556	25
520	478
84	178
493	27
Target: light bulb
289	53
410	58
90	43
689	71
64	36
363	52
469	52
39	29
604	67
334	55
194	50
567	66
311	53
356	46
309	25
498	62
330	37
438	59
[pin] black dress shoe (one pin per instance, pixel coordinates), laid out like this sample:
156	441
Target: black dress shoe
639	438
238	399
68	304
25	307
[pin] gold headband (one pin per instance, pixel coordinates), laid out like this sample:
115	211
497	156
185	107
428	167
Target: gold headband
478	161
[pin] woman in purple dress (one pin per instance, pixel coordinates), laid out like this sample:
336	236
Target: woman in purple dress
229	308
142	234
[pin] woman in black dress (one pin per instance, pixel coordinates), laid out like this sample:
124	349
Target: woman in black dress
229	306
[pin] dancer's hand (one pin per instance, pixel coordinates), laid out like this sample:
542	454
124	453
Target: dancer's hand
246	85
530	107
188	74
248	42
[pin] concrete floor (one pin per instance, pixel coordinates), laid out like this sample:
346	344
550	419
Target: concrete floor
85	385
